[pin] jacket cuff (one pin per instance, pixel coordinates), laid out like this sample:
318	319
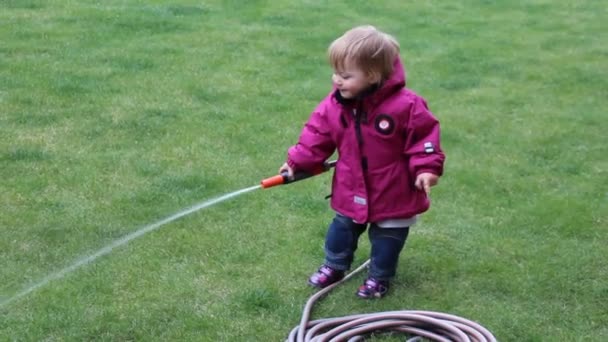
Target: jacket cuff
427	170
291	164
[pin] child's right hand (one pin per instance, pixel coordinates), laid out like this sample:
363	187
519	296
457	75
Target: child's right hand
425	181
288	169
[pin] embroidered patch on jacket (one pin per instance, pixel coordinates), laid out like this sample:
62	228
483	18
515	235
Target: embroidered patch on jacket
384	124
428	147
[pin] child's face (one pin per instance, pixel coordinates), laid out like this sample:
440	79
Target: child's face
351	81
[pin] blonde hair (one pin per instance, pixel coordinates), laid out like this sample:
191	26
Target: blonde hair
370	49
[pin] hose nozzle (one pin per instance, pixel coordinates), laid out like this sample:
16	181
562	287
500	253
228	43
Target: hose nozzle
283	178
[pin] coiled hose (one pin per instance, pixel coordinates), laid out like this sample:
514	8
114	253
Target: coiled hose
434	326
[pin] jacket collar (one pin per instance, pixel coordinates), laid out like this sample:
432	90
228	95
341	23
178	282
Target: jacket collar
360	98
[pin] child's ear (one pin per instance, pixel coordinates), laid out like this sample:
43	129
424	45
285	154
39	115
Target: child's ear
374	77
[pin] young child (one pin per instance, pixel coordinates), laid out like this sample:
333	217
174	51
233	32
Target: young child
389	156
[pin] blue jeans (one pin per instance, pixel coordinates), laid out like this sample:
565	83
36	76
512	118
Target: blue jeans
342	239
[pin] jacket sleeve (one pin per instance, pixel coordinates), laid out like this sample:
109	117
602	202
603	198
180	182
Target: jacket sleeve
423	146
315	144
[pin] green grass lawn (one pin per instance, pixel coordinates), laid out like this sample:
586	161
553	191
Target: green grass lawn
117	114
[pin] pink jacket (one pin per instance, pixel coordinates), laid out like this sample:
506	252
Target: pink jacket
384	140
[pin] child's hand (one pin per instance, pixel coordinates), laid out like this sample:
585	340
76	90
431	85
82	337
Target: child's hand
286	168
425	181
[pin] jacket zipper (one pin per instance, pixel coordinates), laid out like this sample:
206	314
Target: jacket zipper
359	114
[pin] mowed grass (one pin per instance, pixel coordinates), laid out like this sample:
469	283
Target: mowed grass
117	114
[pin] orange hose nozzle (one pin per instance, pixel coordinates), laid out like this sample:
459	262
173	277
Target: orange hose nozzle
273	181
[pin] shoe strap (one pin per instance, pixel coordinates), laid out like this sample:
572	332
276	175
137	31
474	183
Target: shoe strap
326	270
373	283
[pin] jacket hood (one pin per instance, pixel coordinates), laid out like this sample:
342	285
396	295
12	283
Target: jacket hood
395	82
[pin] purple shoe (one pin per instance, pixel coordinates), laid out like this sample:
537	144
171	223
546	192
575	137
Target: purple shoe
373	288
325	276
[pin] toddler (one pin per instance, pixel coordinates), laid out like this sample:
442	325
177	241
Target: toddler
389	156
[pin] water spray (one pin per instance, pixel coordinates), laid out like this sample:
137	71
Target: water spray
265	183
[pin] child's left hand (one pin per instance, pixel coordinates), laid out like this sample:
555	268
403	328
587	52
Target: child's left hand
425	181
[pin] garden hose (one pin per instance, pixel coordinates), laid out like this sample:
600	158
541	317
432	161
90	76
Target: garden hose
433	326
